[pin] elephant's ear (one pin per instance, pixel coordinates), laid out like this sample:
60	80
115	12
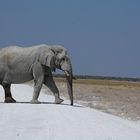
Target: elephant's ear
48	60
51	62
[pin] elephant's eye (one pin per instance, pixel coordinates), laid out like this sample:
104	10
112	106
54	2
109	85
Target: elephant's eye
63	59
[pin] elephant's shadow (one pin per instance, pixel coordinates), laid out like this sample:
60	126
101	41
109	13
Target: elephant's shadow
45	103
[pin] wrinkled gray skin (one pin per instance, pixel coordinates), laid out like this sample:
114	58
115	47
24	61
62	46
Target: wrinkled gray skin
18	65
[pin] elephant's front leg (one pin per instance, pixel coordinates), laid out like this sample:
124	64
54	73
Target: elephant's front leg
37	87
49	82
38	82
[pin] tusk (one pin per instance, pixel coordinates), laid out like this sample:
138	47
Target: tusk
66	73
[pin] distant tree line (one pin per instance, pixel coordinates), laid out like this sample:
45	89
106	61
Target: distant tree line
101	77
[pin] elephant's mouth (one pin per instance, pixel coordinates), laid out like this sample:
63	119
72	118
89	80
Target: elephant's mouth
69	79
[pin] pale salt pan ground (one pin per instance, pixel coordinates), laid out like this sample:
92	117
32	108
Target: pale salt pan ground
25	121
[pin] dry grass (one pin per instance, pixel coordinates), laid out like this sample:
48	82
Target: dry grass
101	82
121	98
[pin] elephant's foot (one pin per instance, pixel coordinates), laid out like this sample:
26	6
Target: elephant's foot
58	101
35	102
9	100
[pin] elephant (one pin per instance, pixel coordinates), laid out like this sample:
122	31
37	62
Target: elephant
22	64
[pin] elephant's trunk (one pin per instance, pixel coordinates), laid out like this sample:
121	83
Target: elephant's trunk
69	78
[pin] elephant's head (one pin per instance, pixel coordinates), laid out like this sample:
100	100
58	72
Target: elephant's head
58	58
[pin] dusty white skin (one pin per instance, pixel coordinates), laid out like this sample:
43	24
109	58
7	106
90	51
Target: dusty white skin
18	65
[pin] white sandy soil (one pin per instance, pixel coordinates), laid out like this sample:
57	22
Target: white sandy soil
47	121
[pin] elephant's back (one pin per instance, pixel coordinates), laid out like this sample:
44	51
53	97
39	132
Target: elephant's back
14	54
10	49
16	50
22	51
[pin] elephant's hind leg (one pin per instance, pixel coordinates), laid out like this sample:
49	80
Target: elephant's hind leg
8	95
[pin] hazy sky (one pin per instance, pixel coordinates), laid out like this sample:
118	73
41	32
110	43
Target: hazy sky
102	36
